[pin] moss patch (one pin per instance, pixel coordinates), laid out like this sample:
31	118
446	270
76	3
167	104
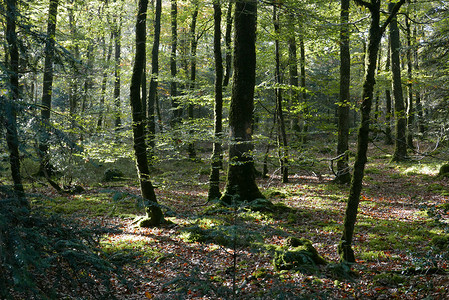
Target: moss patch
297	254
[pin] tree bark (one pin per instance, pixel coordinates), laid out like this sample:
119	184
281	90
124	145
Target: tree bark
228	41
152	93
410	107
193	47
107	53
305	113
374	36
217	156
177	112
400	142
47	88
389	113
154	212
12	138
343	174
293	71
241	184
282	135
117	84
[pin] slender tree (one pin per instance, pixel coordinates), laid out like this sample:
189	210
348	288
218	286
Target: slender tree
47	88
343	173
117	84
152	93
400	142
154	212
410	106
10	106
193	49
241	184
374	36
388	102
282	135
228	41
293	69
177	112
217	156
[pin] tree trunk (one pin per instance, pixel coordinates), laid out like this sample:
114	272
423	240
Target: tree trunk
153	211
293	71
305	113
177	112
419	109
343	174
410	108
152	93
217	156
117	57
47	89
374	36
228	42
282	136
400	142
389	112
107	53
241	184
12	138
193	47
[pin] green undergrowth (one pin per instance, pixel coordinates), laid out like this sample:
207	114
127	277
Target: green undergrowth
129	251
102	203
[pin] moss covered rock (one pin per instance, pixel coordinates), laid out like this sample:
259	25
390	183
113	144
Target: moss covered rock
112	174
444	170
297	254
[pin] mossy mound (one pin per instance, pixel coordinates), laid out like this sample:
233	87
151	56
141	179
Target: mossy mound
297	254
112	174
441	242
444	171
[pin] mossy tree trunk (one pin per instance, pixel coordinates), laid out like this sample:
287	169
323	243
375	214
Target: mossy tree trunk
400	142
217	156
343	174
241	184
374	37
153	211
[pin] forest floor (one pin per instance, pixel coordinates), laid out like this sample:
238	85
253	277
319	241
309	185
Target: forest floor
207	252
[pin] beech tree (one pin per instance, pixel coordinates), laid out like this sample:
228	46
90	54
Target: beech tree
376	30
241	184
154	212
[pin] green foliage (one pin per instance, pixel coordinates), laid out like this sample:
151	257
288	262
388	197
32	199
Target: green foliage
38	247
389	279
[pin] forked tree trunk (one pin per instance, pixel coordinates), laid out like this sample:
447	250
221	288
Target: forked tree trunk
241	184
375	34
153	211
217	156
